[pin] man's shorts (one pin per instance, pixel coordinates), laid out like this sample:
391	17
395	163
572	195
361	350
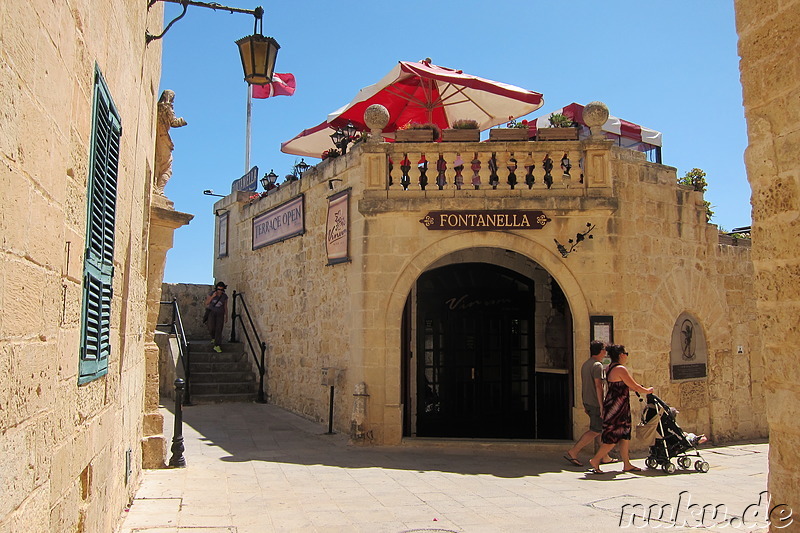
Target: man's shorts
595	420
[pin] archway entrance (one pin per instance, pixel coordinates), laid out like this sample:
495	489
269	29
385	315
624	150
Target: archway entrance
492	355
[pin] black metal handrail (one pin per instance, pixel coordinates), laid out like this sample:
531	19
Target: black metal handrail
261	344
176	328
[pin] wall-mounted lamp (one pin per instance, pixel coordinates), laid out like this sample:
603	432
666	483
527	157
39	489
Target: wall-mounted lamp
209	192
330	183
258	53
579	238
268	181
344	136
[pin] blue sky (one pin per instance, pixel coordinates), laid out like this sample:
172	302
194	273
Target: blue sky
670	66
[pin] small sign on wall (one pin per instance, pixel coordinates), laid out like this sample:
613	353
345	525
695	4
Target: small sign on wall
688	351
281	223
337	230
602	328
222	235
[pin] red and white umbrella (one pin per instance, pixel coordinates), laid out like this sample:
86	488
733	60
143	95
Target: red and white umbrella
616	126
422	93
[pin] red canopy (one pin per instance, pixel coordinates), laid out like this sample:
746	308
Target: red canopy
420	93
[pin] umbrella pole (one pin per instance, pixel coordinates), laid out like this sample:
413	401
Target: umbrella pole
247	129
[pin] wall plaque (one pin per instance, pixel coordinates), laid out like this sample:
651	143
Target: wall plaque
688	351
222	235
337	228
484	220
280	223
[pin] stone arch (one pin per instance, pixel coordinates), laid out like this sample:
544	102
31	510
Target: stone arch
417	263
689	291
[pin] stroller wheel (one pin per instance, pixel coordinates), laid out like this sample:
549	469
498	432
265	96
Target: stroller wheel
669	468
651	462
685	462
701	466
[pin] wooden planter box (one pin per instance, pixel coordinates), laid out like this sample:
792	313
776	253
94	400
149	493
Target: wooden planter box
452	135
509	134
557	134
413	136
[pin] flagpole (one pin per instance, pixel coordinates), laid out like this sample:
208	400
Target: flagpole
247	132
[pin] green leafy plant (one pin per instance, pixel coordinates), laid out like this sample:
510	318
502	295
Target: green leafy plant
512	123
464	124
437	132
331	153
560	120
696	179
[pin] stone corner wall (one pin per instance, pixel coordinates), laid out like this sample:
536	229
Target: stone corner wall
768	37
72	454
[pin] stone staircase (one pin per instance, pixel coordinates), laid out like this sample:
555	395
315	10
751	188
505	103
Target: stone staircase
221	377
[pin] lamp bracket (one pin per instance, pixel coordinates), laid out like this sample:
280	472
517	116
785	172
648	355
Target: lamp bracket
258	13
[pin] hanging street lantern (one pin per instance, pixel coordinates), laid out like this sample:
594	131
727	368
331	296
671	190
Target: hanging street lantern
258	53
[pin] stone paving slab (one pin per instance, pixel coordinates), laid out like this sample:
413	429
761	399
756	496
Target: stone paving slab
254	468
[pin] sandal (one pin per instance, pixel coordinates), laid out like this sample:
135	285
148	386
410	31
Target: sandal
572	460
633	469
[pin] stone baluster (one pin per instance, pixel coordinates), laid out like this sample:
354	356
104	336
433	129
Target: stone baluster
494	178
529	164
441	168
422	167
547	165
405	168
458	168
511	165
566	166
476	167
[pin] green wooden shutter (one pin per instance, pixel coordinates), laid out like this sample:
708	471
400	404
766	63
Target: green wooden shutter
98	267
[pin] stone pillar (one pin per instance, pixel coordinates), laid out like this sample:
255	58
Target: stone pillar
772	160
163	222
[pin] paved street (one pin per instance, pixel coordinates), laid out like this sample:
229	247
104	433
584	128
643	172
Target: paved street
255	468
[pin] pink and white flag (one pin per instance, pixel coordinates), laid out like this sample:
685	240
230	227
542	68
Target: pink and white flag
282	85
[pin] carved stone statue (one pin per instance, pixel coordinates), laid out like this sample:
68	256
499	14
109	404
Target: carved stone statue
164	144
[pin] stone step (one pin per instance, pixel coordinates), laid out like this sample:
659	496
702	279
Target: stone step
223	398
214	357
208	347
222	377
205	367
222	388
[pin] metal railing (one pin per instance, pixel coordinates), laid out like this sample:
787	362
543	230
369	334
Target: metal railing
176	328
238	296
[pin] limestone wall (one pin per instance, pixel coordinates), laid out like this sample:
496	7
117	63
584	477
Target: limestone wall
768	46
191	300
652	258
64	446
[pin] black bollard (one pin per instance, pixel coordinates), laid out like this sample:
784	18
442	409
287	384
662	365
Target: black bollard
177	460
330	415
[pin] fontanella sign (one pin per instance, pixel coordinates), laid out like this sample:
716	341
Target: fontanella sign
485	220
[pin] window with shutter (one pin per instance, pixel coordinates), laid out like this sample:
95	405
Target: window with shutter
98	267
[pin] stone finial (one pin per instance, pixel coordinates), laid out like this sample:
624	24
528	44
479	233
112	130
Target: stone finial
595	114
376	117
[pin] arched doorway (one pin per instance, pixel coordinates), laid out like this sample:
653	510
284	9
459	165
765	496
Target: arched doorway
489	354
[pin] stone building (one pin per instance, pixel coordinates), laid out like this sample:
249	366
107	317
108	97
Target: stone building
768	45
463	311
83	244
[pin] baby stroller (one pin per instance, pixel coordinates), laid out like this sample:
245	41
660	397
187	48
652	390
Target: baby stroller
670	440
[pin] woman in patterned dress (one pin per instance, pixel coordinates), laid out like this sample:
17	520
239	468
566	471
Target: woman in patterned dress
617	409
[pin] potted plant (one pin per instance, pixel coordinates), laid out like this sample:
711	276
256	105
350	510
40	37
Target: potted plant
562	128
417	132
514	131
462	130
